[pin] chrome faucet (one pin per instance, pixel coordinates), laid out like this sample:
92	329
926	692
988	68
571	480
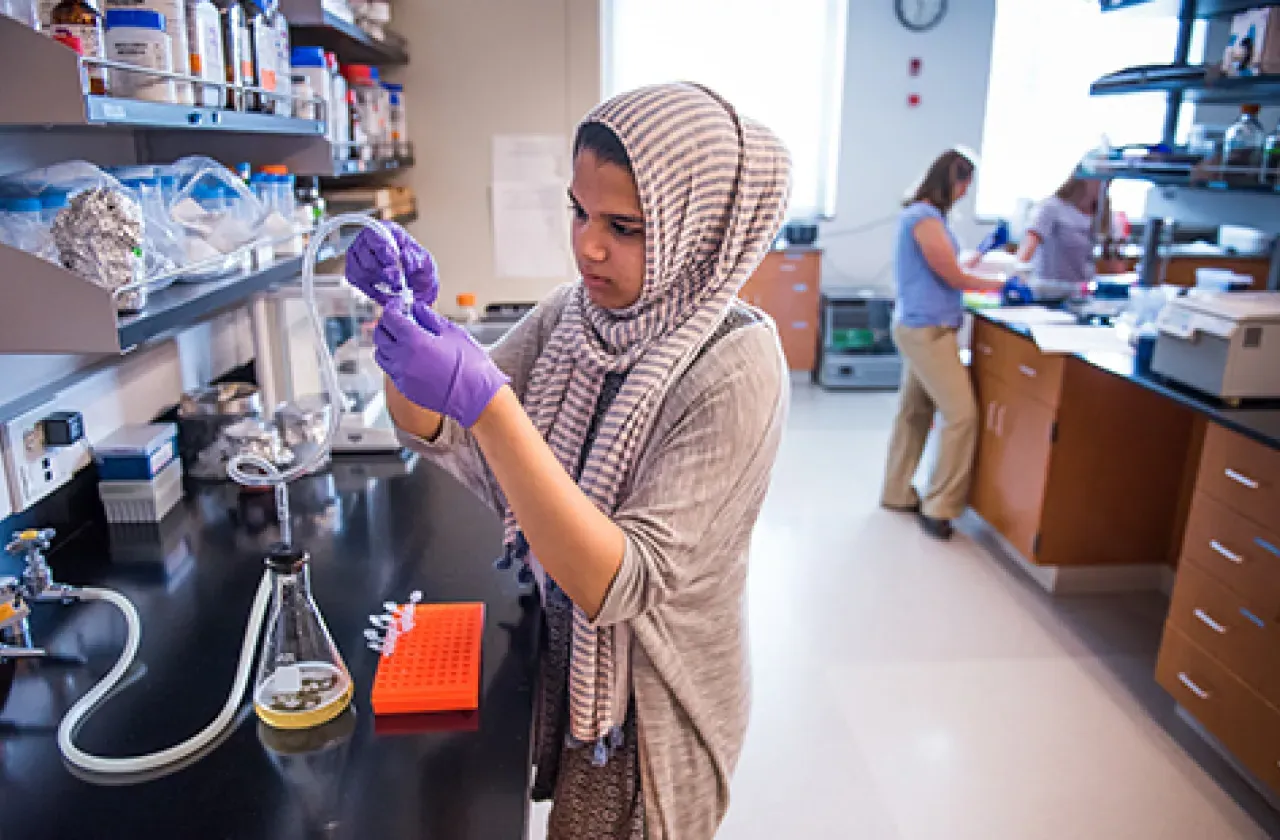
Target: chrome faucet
16	596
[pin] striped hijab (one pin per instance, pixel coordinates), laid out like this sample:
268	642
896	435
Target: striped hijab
713	187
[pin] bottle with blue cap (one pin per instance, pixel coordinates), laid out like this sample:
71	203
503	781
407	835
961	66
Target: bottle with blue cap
139	37
311	63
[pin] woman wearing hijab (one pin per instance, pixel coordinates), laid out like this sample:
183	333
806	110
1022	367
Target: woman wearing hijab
1060	239
930	310
625	430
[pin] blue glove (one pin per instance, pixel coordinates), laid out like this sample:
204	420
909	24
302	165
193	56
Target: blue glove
1016	292
436	364
372	267
998	238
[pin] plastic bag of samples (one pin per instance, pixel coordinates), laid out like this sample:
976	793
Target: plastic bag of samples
94	226
218	213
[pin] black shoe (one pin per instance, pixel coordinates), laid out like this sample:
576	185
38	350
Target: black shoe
939	529
914	507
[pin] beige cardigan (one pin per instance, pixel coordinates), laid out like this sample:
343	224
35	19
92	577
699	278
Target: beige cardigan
688	514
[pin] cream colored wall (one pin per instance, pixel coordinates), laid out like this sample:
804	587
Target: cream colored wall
480	68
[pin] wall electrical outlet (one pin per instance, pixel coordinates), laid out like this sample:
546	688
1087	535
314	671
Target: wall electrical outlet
34	468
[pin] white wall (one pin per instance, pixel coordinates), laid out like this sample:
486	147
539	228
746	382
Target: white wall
886	145
480	68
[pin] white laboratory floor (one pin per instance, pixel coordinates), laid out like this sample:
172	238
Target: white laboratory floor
907	689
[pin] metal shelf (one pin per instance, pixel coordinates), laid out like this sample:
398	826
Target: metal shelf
351	168
1205	86
135	113
1181	177
44	308
311	25
1203	8
59	100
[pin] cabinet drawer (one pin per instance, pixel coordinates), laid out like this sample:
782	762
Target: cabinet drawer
1236	716
1230	628
1242	474
1239	553
992	350
1016	360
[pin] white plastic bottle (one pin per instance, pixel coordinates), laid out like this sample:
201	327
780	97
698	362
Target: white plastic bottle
204	51
137	36
283	50
175	26
339	118
310	63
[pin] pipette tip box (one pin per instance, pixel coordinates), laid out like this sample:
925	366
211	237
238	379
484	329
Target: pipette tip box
435	666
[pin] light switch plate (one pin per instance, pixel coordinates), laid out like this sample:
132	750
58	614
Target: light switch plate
34	469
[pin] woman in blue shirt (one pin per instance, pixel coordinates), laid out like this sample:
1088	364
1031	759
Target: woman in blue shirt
930	308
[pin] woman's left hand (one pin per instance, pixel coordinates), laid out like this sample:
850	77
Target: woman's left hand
436	364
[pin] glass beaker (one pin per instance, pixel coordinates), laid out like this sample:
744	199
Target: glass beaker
302	680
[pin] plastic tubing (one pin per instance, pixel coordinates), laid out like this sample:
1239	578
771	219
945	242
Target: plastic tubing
262	474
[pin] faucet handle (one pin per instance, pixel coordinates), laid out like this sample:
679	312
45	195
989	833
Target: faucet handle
32	540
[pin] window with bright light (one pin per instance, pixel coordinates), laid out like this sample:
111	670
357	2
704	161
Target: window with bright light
1040	118
780	63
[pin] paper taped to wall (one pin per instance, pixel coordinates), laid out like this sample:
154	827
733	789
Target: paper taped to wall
530	158
530	230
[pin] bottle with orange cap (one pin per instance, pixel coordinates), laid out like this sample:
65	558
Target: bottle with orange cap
468	312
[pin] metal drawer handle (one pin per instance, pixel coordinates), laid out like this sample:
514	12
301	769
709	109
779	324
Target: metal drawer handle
1027	371
991	408
1207	621
986	349
1190	684
1225	552
1261	543
1240	478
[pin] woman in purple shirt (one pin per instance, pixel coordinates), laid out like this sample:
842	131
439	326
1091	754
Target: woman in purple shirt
1060	237
930	308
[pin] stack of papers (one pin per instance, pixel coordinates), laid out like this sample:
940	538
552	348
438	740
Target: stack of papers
1029	315
1063	338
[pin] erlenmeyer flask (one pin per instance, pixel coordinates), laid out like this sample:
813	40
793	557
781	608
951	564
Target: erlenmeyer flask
302	680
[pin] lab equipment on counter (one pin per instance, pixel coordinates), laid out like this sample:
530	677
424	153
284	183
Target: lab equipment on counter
430	658
302	681
856	349
144	500
136	453
202	416
286	693
1223	345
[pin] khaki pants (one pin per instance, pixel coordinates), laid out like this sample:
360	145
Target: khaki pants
933	380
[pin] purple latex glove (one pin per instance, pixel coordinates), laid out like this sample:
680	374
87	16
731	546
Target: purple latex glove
436	364
372	267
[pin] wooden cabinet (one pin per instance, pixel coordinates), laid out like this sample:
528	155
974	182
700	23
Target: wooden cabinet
1073	464
787	287
1013	459
1220	657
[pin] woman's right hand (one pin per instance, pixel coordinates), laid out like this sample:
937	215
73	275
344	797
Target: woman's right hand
372	267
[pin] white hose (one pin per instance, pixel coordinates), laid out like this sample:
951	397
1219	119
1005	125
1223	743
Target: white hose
263	474
143	763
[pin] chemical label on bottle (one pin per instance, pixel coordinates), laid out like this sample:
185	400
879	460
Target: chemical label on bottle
91	41
204	36
246	54
151	54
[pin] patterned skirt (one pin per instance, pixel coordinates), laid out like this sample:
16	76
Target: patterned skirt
588	802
